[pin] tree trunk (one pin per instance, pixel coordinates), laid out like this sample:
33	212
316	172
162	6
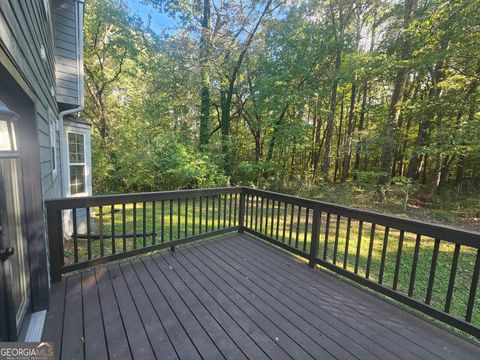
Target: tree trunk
339	139
205	76
348	148
361	122
397	95
331	115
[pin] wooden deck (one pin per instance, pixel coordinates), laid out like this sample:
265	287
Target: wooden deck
233	297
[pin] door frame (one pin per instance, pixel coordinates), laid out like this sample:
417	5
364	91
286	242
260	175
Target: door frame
8	328
24	103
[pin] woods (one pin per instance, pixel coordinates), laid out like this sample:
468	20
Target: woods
285	94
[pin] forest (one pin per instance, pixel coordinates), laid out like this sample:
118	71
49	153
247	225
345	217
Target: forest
336	99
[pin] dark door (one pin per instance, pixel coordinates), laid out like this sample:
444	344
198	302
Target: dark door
14	267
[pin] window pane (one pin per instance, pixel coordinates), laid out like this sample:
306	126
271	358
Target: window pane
77	179
75	148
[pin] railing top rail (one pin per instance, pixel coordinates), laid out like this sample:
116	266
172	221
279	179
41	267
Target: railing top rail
439	231
101	200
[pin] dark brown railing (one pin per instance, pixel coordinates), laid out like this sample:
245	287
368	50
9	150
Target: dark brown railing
87	231
431	268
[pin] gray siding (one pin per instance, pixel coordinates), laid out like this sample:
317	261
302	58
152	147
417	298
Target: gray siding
66	53
24	28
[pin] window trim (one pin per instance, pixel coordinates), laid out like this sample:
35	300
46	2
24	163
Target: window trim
52	126
73	164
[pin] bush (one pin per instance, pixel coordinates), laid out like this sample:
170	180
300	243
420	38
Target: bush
167	164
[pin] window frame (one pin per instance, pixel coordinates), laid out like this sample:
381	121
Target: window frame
84	164
52	127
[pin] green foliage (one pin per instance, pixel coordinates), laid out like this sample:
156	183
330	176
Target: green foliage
143	95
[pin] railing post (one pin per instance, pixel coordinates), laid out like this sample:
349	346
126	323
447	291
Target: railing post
241	212
315	237
55	243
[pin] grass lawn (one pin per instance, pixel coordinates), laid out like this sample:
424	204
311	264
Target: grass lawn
465	265
178	223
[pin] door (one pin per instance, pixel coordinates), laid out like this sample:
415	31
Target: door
14	268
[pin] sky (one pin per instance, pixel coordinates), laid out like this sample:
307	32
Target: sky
159	23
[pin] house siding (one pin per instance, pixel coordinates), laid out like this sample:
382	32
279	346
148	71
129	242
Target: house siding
67	53
24	28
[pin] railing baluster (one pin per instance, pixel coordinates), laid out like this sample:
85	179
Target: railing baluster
399	260
200	215
256	212
370	251
144	223
384	254
297	230
413	274
194	201
224	211
230	210
359	246
285	206
170	209
335	245
266	217
433	269
206	214
453	274
112	218
307	215
327	230
124	227
154	228
235	219
213	212
241	211
251	212
291	225
179	219
347	241
473	288
248	218
162	224
219	217
75	237
279	205
134	225
316	224
272	220
102	244
186	217
261	214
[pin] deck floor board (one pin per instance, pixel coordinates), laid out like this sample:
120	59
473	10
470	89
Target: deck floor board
233	297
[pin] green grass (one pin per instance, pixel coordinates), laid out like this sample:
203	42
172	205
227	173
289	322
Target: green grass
465	265
176	227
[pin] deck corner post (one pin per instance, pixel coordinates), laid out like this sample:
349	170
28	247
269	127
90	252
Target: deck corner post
315	237
55	243
241	212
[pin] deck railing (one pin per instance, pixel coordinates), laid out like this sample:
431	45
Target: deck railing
432	268
87	231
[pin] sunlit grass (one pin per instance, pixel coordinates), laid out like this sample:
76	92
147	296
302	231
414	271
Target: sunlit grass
327	244
295	230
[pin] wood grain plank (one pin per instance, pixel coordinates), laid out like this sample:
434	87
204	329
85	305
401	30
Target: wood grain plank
73	337
117	342
95	343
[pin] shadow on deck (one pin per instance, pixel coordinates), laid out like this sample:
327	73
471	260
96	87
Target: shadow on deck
233	297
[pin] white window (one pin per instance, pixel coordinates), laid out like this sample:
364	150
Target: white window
53	142
76	163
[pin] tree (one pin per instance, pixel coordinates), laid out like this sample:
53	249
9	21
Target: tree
397	94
